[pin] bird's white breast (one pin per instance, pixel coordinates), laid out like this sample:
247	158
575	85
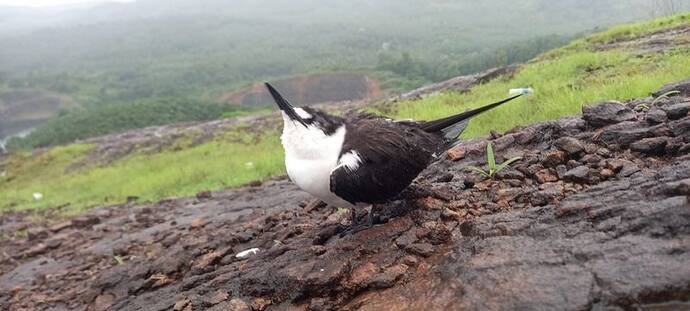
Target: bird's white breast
310	157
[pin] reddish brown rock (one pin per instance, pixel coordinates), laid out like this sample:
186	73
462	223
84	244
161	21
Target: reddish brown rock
545	175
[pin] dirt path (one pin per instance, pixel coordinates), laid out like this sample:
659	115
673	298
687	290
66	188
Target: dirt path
596	215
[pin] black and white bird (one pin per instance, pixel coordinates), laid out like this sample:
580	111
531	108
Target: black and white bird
359	159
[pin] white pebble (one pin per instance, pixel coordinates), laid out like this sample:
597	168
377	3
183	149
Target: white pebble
246	254
523	91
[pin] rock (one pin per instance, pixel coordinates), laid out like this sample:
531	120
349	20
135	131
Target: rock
53	243
604	152
197	223
237	304
545	176
580	174
628	169
388	277
60	226
607	113
456	154
318	250
449	214
410	261
676	111
572	146
261	304
217	297
680	128
681	187
204	195
591	159
656	116
361	276
181	304
606	173
37	249
509	173
85	221
549	193
571	164
561	170
651	146
210	259
36	233
319	304
255	183
683	87
448	177
103	302
626	133
421	249
459	84
685	149
555	158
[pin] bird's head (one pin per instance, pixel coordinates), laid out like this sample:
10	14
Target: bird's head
305	118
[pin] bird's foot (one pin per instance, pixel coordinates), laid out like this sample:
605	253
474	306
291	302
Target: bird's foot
356	226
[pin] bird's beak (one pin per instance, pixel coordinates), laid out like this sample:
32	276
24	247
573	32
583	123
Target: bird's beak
284	105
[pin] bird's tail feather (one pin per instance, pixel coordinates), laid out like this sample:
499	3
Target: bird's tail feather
453	126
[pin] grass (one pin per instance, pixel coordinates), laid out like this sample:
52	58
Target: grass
562	85
221	163
636	30
563	79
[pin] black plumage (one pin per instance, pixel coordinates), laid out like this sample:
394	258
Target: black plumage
392	155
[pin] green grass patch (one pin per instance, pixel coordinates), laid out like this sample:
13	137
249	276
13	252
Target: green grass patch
563	82
229	161
636	30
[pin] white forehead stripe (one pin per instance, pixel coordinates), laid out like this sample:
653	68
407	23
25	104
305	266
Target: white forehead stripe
302	113
350	161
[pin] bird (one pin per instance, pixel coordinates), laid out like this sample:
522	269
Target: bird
358	159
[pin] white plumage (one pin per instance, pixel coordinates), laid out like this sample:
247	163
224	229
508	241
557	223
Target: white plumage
311	156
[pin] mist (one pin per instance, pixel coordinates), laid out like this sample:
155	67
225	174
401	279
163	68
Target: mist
62	59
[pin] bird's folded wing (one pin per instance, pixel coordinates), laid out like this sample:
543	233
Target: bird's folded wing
390	154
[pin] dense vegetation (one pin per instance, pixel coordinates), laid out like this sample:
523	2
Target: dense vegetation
118	117
564	80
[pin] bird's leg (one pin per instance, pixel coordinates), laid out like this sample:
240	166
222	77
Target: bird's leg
356	226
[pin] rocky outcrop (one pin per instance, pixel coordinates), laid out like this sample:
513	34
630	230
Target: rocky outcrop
458	84
594	216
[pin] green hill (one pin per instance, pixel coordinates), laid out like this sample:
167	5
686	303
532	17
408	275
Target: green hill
617	64
148	51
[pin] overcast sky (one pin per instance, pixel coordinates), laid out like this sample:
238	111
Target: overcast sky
44	3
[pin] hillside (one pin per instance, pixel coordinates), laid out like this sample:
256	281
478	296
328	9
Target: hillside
114	54
622	63
594	216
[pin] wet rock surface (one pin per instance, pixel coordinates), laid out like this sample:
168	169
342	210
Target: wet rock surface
594	216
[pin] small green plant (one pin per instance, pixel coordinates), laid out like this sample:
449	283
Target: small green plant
341	210
656	100
119	260
491	161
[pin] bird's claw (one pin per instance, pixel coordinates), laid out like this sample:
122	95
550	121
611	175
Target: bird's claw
369	221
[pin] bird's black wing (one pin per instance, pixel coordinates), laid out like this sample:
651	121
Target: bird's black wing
392	155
